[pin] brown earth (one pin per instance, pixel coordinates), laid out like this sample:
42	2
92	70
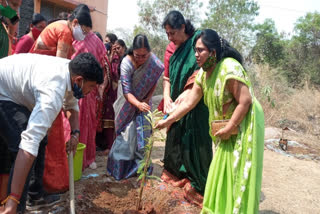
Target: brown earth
290	185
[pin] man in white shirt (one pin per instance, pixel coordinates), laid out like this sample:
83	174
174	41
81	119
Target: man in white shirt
33	90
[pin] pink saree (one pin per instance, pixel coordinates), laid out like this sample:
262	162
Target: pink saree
88	105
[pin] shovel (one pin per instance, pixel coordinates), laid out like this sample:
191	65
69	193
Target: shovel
71	183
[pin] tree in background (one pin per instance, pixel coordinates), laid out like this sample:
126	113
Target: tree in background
152	13
269	46
233	20
302	54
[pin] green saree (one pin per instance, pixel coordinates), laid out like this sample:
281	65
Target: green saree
4	42
234	179
188	150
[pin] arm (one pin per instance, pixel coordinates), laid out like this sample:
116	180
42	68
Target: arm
166	94
142	106
186	106
22	166
243	97
149	96
71	107
63	49
74	124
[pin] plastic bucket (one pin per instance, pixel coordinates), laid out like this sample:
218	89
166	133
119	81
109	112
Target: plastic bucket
77	162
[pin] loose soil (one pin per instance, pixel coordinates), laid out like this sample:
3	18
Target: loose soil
290	185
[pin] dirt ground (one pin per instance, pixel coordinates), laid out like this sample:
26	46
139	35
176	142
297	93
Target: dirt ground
290	185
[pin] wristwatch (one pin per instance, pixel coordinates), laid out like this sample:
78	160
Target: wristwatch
73	132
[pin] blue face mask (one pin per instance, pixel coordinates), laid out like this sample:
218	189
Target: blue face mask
77	91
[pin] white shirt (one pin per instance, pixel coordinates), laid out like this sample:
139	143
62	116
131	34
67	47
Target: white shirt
40	83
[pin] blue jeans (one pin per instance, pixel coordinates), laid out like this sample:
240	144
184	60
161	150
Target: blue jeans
13	121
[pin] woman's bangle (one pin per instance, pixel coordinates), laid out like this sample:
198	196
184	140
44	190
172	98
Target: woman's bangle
10	197
15	195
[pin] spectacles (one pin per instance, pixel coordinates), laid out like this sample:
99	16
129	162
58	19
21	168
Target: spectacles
137	56
199	50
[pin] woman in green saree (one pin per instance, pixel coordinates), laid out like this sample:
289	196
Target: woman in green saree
234	179
188	150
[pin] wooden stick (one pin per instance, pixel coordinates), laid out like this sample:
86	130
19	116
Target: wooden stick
71	183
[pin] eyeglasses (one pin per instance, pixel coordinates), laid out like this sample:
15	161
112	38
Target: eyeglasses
137	56
199	50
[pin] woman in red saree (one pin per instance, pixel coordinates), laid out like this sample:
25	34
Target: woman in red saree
36	27
56	40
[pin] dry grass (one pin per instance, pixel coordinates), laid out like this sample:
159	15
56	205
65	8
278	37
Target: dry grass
298	109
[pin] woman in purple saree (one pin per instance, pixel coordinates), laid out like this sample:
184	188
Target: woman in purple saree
140	71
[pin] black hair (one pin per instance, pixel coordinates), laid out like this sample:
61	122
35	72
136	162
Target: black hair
63	16
87	66
175	20
37	18
213	41
113	37
98	35
122	43
82	14
139	41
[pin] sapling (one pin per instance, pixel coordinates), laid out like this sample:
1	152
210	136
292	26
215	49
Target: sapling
152	118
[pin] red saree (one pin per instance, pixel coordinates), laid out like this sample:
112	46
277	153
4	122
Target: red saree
56	174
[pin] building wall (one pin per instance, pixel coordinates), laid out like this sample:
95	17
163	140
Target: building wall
26	12
99	15
98	8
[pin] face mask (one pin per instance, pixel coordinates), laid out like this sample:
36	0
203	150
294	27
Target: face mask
77	91
77	33
35	33
10	13
209	63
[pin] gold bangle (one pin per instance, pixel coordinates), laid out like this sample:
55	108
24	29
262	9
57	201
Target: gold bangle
10	197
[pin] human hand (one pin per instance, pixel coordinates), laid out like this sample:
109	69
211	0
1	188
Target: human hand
225	132
144	107
73	143
162	124
9	208
167	104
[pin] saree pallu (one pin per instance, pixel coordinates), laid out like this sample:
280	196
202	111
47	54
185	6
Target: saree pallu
56	174
88	105
188	150
132	128
234	180
4	41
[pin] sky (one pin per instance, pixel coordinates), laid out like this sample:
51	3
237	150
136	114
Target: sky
124	13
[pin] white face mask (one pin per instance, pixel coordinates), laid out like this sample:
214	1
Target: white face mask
77	33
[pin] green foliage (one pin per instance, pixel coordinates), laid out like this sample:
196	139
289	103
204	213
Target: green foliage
269	47
152	118
266	92
233	20
302	54
152	12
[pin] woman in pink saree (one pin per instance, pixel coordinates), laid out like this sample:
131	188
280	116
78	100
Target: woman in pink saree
88	105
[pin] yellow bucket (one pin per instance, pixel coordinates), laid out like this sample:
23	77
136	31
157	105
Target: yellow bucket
77	162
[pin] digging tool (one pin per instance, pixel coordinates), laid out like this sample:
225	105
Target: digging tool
71	183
